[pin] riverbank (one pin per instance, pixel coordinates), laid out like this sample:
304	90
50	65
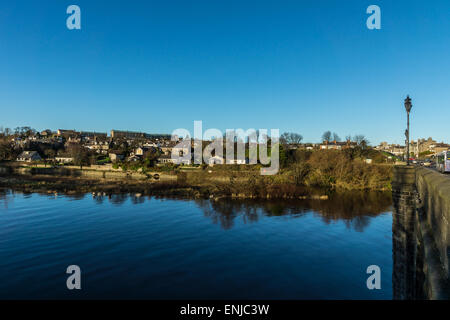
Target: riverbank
181	185
304	180
75	185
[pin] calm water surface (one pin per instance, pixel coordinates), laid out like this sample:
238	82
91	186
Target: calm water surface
149	248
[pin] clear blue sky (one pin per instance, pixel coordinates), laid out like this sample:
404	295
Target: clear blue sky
154	66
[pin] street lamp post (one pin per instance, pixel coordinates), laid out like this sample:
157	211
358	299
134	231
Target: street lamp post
408	106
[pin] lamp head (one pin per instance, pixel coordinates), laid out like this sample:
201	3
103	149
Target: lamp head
408	104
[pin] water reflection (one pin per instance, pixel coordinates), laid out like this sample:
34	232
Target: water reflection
75	196
118	199
288	254
355	209
5	197
137	198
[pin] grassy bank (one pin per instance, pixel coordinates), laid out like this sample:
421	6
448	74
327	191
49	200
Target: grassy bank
308	175
73	185
311	173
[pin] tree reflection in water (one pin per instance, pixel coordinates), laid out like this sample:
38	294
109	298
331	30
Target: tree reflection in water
118	199
5	197
354	208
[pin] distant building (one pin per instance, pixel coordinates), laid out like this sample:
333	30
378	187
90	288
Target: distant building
101	147
439	147
383	146
67	133
114	157
336	145
63	159
158	136
127	134
422	145
309	146
395	149
74	139
165	158
180	151
46	133
93	135
166	150
134	158
150	145
140	151
427	145
138	135
29	156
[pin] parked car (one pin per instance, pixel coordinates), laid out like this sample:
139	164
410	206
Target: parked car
427	163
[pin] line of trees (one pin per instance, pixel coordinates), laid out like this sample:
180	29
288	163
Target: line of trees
291	138
17	132
360	139
327	137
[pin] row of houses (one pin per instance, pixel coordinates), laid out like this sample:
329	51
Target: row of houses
215	160
164	148
416	147
77	136
172	154
395	149
337	145
30	156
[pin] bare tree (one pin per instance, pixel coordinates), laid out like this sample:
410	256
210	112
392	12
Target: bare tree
6	150
326	136
79	153
49	153
361	141
291	138
336	137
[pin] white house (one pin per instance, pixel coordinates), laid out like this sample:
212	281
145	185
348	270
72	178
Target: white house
64	159
116	157
168	159
165	159
180	151
29	156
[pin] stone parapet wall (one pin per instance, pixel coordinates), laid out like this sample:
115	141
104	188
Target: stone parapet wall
420	233
434	192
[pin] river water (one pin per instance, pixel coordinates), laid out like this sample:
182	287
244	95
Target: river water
158	248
